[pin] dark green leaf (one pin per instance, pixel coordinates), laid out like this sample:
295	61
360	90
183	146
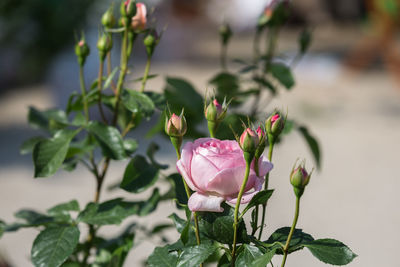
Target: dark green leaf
227	85
247	256
150	205
304	40
28	146
109	138
158	99
263	260
247	69
179	222
49	154
179	188
113	252
151	76
331	251
259	199
54	245
194	256
265	84
130	146
63	208
161	257
283	74
224	261
151	150
51	119
312	144
103	214
160	227
297	242
138	102
219	225
139	175
2	226
79	120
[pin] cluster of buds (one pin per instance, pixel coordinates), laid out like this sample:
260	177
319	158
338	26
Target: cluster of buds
127	10
82	51
175	128
215	113
225	32
151	41
104	45
274	126
299	178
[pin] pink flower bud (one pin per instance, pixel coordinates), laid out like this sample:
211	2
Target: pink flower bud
249	140
299	178
139	21
82	51
260	133
215	111
275	118
176	125
274	125
128	9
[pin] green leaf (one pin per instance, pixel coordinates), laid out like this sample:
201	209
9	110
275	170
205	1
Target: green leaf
146	207
51	119
265	84
49	154
151	76
247	69
227	85
263	260
139	175
64	208
113	252
312	144
138	102
54	245
331	251
28	146
195	255
161	257
158	99
130	146
2	226
110	77
219	225
283	74
297	242
247	256
178	188
151	150
179	222
109	139
260	198
304	40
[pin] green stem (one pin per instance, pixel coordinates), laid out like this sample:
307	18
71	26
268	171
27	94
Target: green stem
83	90
235	218
146	74
122	74
264	206
296	217
113	87
100	88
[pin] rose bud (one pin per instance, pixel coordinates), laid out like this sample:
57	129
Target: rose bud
128	9
215	112
249	141
265	16
150	42
82	51
274	125
261	142
299	178
104	45
139	20
108	19
225	32
176	125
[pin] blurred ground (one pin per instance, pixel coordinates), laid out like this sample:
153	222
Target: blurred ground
355	117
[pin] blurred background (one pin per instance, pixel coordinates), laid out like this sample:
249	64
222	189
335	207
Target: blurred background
347	91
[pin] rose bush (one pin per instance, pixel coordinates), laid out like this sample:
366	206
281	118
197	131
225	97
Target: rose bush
215	170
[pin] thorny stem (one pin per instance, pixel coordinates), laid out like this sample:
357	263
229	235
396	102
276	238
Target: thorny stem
296	217
83	90
146	74
100	88
235	218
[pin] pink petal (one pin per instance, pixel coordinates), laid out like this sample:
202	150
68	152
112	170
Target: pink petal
201	202
264	166
202	171
185	175
245	198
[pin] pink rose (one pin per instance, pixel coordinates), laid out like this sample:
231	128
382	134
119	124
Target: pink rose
139	21
215	170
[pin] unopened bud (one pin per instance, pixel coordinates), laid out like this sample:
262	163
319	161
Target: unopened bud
261	142
175	125
274	125
215	111
225	32
265	16
128	9
249	141
150	42
139	21
108	19
82	51
104	45
299	178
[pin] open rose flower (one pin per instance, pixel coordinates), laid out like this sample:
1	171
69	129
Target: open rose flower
215	170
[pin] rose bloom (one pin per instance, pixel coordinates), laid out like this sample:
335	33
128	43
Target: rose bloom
139	20
215	170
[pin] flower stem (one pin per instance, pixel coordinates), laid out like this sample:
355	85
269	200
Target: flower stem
224	49
113	87
264	206
146	74
83	90
296	216
235	218
100	88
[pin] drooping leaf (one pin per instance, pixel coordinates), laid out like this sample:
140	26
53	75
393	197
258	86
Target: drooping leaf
63	208
219	225
259	199
162	257
139	175
248	255
195	255
331	251
49	154
299	239
151	150
137	102
283	74
312	144
109	139
54	245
